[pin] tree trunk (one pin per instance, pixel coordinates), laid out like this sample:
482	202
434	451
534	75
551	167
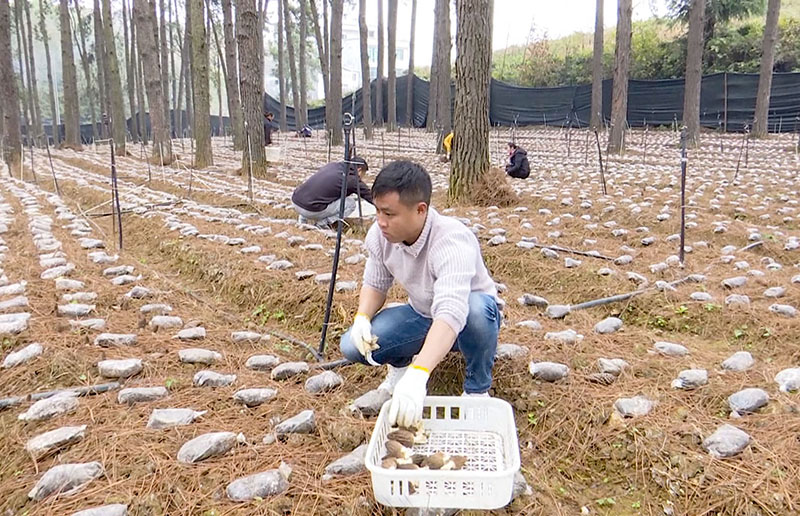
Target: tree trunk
250	87
24	98
202	113
410	76
379	76
162	46
114	82
29	91
366	97
50	86
232	77
188	70
9	96
130	71
141	118
72	129
37	112
596	115
87	73
100	60
287	26
173	112
324	62
622	57
281	61
473	76
444	119
302	63
391	93
335	101
694	73
430	123
149	57
761	121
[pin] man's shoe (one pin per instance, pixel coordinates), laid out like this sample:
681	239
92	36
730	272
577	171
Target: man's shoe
476	394
393	376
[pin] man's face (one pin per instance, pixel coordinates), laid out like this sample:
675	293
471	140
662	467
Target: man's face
398	221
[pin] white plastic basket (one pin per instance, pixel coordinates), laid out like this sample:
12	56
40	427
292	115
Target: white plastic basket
482	429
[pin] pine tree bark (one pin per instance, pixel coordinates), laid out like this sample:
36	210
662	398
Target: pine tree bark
37	111
100	61
232	77
72	130
288	29
164	52
694	72
444	110
430	123
141	119
761	121
324	61
250	87
130	71
187	55
391	87
622	56
335	100
379	76
202	116
9	95
145	24
114	82
596	115
87	73
473	76
410	76
30	93
302	63
366	97
27	112
281	68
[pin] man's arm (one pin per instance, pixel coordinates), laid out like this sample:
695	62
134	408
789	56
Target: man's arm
370	300
513	166
438	343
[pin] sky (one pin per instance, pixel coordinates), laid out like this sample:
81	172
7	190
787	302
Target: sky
513	20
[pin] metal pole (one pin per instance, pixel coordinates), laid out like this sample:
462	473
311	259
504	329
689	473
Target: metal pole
347	123
600	156
52	169
115	192
683	195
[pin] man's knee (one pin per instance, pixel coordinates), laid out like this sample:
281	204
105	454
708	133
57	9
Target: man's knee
349	349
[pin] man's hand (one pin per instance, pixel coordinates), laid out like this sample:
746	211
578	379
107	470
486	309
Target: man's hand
409	395
363	339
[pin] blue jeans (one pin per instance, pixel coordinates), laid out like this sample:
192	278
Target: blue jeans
401	332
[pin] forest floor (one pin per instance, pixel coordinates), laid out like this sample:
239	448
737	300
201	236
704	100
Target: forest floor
199	244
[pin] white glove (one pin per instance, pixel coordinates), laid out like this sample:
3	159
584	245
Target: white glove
409	395
363	339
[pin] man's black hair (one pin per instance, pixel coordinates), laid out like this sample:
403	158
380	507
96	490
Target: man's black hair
411	182
512	145
358	161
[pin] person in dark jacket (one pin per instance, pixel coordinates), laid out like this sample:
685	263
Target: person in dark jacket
316	200
269	127
517	165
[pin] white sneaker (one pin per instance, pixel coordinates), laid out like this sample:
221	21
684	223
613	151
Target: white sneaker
475	394
393	376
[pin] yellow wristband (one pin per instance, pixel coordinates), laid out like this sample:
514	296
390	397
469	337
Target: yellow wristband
415	366
362	313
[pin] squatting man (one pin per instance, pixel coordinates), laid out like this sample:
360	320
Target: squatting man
452	300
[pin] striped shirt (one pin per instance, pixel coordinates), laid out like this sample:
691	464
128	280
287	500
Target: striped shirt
438	271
